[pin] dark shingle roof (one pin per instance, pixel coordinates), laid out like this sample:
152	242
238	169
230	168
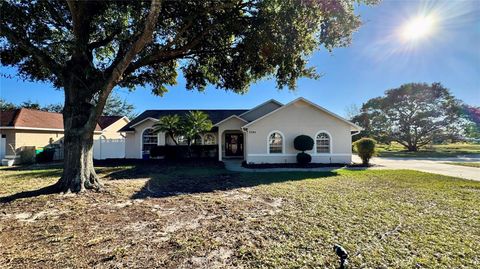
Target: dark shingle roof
105	121
216	115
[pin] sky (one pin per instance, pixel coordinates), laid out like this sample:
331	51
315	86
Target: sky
390	48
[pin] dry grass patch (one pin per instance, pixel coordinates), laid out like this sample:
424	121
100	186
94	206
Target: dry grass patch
194	217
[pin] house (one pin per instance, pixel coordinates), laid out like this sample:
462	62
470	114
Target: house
29	128
263	134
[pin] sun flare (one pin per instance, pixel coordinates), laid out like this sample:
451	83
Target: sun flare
418	28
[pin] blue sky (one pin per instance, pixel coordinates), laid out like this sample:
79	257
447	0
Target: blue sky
377	60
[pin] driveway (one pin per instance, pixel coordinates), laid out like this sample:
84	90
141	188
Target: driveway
430	165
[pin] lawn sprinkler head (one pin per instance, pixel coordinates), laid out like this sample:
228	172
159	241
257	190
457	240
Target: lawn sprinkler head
342	254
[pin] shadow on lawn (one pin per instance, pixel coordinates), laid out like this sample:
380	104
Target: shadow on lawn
166	181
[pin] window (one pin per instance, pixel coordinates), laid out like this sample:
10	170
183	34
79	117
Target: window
275	143
209	139
323	143
149	140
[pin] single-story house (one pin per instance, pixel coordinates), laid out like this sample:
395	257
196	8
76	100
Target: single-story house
26	128
263	134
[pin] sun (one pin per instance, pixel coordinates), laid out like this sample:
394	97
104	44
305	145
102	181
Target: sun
418	28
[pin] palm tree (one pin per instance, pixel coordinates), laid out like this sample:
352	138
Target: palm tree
170	124
194	124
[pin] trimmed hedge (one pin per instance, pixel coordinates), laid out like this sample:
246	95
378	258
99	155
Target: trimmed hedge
303	143
304	158
365	149
173	152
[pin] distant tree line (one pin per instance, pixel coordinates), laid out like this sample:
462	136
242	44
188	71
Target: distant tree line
417	114
115	106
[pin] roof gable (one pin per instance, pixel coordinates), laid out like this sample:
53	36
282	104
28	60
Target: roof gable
105	121
215	115
301	99
261	110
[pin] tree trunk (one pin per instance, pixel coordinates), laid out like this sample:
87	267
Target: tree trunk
79	121
78	171
412	148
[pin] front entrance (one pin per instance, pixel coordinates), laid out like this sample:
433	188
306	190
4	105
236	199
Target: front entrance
234	145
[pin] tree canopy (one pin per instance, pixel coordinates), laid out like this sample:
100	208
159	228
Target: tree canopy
413	115
88	48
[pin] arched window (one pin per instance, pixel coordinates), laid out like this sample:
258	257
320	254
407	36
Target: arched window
149	140
322	141
209	139
275	143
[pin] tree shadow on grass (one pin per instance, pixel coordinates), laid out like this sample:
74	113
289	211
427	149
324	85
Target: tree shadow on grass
177	180
29	194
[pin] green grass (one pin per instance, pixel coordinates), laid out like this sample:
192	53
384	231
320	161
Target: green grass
205	217
469	164
433	151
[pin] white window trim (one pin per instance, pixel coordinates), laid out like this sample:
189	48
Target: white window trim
330	142
268	142
141	140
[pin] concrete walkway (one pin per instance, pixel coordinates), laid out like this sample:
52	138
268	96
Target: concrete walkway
429	165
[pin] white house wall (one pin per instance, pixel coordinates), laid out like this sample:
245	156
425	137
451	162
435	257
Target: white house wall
297	119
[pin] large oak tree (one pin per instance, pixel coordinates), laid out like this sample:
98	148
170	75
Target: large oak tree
413	115
87	48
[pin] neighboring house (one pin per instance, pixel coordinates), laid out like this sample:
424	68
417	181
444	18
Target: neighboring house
263	134
22	128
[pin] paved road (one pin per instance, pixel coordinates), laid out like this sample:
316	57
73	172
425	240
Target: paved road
430	165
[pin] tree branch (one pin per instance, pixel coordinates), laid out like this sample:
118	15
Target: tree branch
37	53
105	41
118	67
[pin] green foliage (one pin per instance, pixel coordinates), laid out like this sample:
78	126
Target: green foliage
4	105
116	106
170	124
194	124
191	125
414	115
303	158
303	143
365	147
229	44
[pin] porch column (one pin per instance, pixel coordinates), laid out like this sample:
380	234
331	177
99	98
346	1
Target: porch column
219	145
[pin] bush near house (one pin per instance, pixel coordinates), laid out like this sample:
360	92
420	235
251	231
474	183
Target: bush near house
303	143
366	149
45	156
180	152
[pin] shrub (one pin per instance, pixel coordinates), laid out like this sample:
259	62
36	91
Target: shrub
46	155
157	151
303	158
366	149
303	143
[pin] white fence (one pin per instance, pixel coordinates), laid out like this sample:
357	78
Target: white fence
108	148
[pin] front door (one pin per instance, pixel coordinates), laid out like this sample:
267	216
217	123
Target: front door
234	145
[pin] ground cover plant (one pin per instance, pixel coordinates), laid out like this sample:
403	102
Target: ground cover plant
206	217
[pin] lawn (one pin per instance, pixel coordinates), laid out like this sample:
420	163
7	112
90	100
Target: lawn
468	164
433	151
207	217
